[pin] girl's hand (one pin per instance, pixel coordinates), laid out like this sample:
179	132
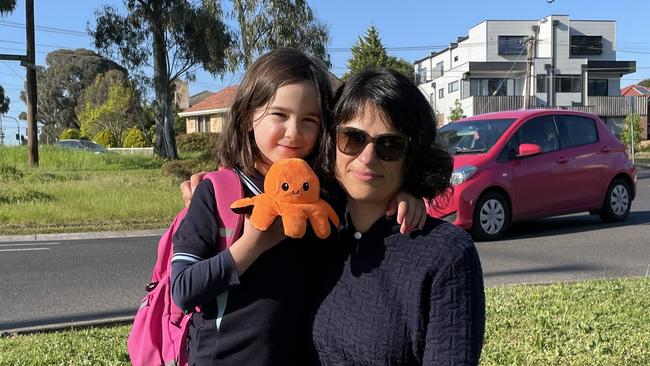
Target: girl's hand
253	243
263	240
188	187
411	211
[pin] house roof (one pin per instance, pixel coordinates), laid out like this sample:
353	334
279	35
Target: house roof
199	97
634	90
219	100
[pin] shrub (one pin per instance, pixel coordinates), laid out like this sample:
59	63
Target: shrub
183	169
9	173
70	133
105	138
632	123
197	142
134	138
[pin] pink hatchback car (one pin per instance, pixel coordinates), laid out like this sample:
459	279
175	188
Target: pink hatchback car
527	164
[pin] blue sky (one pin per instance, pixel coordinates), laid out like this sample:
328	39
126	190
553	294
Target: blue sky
421	25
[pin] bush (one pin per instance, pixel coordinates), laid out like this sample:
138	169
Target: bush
632	123
183	169
70	133
197	142
105	138
134	138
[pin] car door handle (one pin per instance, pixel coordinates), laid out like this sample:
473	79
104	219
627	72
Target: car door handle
562	160
606	149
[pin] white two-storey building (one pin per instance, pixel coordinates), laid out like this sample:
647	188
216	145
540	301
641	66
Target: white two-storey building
572	64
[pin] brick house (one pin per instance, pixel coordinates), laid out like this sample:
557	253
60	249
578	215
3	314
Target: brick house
209	114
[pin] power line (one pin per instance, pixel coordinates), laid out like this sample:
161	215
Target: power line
13	70
69	32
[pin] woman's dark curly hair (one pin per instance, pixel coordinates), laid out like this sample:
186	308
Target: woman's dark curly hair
428	167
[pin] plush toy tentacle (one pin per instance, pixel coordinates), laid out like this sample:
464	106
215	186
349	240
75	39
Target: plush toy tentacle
264	214
295	225
320	225
244	202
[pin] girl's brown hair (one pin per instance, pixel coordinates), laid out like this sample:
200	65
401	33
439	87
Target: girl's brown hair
236	146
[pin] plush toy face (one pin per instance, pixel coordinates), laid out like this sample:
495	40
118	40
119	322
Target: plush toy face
292	181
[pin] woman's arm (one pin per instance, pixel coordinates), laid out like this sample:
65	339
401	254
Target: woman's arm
457	313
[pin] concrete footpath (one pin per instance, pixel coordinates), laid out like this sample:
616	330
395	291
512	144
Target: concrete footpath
76	236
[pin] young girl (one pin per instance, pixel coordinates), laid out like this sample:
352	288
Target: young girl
281	110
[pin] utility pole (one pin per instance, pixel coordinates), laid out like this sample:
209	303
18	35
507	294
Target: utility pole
30	64
531	43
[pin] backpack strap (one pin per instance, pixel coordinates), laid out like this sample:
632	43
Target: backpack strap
227	189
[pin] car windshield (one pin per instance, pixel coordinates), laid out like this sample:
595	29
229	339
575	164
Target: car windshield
472	137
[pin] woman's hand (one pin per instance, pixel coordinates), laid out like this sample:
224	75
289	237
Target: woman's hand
411	211
188	187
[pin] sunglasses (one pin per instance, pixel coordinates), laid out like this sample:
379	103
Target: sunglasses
389	146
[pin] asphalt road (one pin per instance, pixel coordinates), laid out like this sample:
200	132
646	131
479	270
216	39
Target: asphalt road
50	283
54	282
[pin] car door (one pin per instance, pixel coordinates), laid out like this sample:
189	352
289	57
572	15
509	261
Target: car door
589	164
540	181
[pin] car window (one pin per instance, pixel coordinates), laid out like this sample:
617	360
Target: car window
577	130
540	131
467	137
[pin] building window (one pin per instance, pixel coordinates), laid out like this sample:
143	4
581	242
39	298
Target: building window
452	87
455	58
586	45
568	83
432	99
440	69
598	87
203	124
484	87
541	83
441	93
511	45
421	75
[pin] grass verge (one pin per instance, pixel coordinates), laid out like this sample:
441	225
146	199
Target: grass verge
79	191
603	322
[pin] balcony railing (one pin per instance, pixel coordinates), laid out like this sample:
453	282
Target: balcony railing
487	104
619	106
602	106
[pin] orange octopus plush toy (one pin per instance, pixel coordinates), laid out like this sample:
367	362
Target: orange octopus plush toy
291	190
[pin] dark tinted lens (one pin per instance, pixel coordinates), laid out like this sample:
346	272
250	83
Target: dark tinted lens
351	141
390	147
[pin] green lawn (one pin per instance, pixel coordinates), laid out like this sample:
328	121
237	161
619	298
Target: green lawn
81	191
604	322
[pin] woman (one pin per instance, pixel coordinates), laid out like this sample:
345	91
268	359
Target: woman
388	298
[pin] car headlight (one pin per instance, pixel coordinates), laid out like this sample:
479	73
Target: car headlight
462	174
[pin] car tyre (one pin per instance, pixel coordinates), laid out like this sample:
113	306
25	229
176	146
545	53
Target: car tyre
618	201
491	217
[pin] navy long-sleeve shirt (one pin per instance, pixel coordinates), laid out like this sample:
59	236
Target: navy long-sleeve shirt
264	321
401	300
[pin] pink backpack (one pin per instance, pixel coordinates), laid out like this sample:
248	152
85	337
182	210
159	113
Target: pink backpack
159	332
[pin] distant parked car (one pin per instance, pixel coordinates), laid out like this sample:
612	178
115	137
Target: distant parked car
81	145
520	165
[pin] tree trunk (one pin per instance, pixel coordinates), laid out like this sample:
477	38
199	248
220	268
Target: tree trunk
166	142
243	32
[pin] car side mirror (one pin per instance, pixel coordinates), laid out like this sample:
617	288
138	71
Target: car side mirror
529	150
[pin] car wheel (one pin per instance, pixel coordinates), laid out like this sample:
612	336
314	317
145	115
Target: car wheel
618	201
491	216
